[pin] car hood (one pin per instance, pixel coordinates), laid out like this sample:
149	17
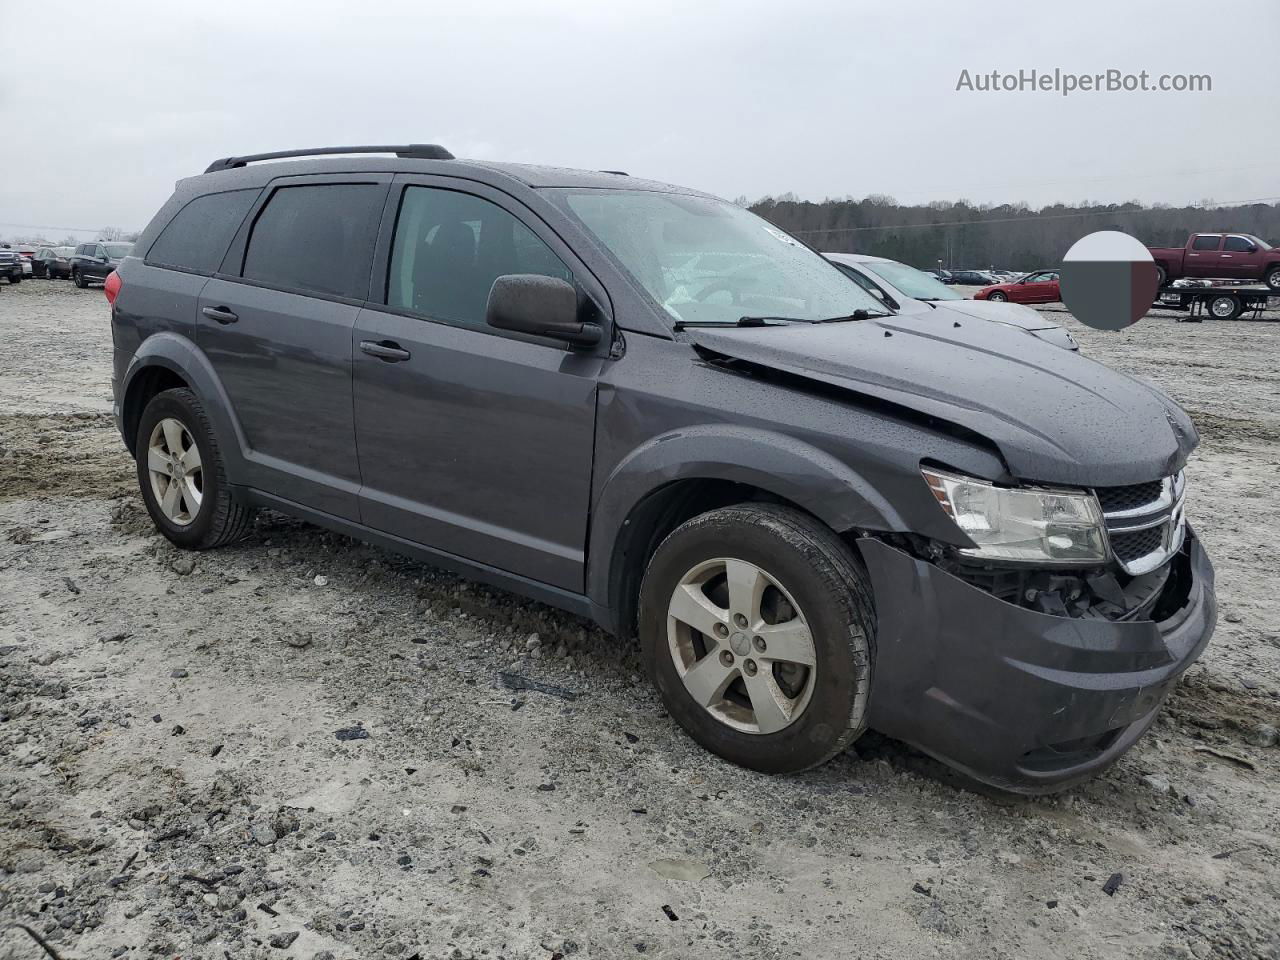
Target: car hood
1012	314
1055	416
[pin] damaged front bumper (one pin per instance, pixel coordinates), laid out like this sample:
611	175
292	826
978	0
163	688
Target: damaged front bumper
1019	699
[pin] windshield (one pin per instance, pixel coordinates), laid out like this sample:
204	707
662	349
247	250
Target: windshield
64	251
912	282
708	261
1262	244
117	250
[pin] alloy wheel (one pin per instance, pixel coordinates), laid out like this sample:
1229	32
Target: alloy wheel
175	470
741	646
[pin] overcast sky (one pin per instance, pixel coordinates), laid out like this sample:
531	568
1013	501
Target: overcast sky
101	110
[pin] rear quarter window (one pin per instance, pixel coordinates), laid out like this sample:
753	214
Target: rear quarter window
198	236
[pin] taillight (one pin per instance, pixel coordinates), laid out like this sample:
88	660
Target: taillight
112	287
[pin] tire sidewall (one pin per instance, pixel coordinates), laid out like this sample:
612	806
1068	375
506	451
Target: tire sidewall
835	698
1273	279
181	406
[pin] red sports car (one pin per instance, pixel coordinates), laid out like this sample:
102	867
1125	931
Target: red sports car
1038	287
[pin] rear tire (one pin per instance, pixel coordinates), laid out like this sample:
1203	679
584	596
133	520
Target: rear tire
786	687
192	506
1225	307
1162	276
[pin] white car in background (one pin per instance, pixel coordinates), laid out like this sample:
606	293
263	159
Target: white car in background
910	291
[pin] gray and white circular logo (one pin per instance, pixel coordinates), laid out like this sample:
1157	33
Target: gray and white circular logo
1108	280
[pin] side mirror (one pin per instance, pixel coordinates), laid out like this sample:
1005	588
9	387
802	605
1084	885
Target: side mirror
541	306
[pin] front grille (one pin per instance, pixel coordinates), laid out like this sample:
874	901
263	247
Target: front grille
1129	547
1144	521
1128	498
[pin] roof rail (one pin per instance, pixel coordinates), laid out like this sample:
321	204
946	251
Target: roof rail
416	151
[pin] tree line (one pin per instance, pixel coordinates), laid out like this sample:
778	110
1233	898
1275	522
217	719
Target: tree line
963	235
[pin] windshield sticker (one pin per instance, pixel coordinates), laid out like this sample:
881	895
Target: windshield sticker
779	235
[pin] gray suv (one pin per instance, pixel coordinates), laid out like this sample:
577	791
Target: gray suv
651	408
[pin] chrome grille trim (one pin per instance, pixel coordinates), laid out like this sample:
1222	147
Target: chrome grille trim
1164	513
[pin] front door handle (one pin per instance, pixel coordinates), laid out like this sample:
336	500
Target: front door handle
221	314
387	350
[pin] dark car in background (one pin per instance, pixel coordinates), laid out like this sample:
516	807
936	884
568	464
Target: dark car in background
648	406
971	278
53	263
10	264
93	262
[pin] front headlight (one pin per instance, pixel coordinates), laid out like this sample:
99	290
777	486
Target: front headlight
1022	525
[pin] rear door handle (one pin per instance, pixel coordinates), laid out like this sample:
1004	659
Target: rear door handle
386	350
221	314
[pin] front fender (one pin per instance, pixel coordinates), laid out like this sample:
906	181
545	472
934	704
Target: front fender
180	355
782	465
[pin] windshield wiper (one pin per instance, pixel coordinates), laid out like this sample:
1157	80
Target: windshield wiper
740	322
856	315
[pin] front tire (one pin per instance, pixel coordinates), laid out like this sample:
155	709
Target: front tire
181	474
997	297
1273	279
79	279
758	629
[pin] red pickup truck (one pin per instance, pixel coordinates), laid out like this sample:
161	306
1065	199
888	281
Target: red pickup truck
1222	256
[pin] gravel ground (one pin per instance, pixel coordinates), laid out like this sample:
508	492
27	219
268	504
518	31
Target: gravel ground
299	746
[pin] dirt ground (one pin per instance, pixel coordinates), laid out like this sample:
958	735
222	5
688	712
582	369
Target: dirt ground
299	746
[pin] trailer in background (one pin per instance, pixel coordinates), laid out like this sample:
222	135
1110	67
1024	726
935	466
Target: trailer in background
1221	302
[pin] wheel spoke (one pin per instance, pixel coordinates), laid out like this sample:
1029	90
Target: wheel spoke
169	503
190	497
157	462
191	458
172	436
691	606
707	679
790	642
771	707
746	588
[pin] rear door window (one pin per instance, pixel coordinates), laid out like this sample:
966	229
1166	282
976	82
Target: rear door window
316	238
1205	242
198	236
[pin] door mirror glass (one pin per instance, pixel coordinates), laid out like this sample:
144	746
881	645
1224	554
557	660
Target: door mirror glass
541	306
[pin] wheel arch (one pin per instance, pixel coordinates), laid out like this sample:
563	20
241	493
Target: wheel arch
168	360
677	476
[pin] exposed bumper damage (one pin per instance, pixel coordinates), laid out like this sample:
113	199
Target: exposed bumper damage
1017	698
